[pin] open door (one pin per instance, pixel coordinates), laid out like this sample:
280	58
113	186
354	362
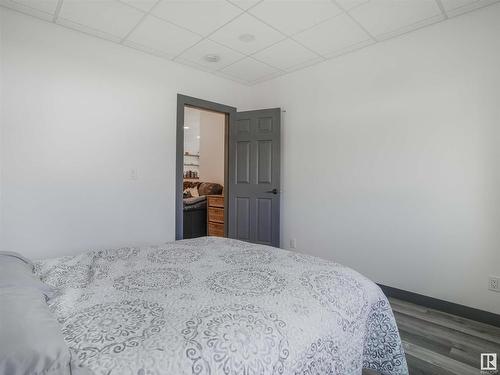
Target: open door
254	176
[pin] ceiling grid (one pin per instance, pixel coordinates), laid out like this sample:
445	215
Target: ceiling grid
248	41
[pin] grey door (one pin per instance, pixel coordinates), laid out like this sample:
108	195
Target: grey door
254	177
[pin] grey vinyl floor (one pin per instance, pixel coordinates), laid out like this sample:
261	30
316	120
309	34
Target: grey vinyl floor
438	343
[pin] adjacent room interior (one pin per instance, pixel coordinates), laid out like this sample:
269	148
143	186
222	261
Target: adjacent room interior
249	187
204	172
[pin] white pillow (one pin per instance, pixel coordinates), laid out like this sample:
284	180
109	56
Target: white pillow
16	271
31	341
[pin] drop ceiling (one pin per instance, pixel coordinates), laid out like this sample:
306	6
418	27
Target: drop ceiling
248	41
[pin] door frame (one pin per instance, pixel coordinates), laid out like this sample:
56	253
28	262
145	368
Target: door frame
189	101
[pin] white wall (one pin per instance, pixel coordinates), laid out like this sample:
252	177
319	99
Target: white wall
212	147
191	140
390	154
391	159
79	114
1	122
205	138
191	135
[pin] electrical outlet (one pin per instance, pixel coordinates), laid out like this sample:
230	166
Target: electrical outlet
293	243
494	284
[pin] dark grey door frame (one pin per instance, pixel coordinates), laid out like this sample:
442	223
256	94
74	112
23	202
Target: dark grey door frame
183	101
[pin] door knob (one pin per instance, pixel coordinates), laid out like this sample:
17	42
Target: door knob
274	191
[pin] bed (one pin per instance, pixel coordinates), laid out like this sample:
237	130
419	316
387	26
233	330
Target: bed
220	306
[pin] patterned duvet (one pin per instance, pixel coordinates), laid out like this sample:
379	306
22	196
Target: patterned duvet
220	306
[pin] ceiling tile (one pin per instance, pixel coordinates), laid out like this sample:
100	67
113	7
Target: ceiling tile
454	4
149	50
202	17
144	5
349	4
292	16
385	16
286	55
44	9
47	6
162	36
350	48
108	16
266	78
194	65
245	4
249	70
274	54
196	55
88	30
246	25
306	64
456	7
333	35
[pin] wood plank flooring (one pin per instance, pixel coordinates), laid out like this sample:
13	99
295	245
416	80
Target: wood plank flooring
438	343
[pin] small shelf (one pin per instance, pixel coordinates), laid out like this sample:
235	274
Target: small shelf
192	155
191	165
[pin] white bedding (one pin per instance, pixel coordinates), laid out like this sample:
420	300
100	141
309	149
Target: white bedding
220	306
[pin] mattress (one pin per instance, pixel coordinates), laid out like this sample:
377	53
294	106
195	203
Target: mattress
220	306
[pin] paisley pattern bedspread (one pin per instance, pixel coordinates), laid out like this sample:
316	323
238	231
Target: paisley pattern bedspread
219	306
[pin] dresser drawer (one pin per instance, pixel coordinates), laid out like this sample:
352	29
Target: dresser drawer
215	229
216	214
215	200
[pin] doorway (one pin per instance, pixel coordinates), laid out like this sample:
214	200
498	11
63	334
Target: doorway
202	170
248	205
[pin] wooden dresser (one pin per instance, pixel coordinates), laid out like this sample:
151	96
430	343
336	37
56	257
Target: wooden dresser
215	215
